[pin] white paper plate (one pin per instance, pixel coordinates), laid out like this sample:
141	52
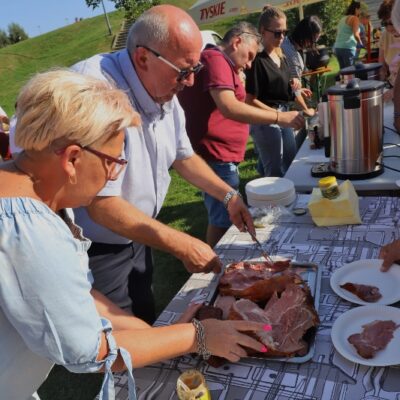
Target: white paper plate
367	272
352	321
269	188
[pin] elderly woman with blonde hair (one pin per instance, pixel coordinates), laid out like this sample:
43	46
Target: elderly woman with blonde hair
71	128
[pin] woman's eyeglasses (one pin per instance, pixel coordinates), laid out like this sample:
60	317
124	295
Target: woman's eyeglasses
184	73
277	34
117	164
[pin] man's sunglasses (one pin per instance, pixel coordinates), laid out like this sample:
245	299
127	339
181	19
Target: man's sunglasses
277	34
184	73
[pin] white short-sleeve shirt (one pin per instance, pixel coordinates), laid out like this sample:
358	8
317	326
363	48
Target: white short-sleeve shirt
150	149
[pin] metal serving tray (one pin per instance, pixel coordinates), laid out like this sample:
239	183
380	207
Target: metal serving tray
311	273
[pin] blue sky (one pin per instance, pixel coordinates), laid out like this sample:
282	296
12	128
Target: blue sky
41	16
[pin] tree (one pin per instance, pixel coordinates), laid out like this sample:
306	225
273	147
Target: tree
132	8
16	33
4	41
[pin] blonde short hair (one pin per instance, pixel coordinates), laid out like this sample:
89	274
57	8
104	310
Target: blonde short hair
61	107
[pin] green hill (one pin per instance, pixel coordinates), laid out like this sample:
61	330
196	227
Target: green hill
60	48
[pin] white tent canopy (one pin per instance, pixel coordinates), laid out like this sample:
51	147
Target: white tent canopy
206	11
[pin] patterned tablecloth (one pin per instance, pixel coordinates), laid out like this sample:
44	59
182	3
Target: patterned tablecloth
328	376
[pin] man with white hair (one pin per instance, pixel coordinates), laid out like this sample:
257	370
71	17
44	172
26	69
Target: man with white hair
161	58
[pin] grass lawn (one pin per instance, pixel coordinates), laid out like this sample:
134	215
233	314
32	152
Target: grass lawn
183	208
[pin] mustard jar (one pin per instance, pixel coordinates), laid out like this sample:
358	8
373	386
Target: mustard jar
191	385
329	187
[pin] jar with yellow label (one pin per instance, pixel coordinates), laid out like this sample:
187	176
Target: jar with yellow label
191	385
329	187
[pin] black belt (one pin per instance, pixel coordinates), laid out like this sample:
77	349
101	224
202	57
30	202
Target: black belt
98	249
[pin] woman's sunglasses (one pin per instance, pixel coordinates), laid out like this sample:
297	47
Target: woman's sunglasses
277	34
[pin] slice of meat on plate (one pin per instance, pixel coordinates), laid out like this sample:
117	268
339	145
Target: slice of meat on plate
368	293
375	336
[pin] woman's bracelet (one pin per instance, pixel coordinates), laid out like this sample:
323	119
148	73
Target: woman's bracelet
277	117
201	339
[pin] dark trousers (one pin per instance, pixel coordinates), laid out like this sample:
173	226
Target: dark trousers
124	274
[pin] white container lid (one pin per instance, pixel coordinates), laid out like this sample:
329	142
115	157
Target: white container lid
283	201
269	188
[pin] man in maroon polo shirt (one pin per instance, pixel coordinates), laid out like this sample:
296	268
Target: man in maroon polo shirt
217	116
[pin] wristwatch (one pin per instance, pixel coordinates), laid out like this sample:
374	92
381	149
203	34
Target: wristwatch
229	195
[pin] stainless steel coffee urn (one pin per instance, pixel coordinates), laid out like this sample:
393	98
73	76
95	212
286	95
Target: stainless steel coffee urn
355	127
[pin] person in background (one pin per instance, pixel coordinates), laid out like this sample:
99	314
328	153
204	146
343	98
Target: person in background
348	36
217	116
304	37
268	86
161	58
71	128
365	27
389	47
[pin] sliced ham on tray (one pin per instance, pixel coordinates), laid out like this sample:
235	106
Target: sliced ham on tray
367	293
273	294
256	281
291	315
375	336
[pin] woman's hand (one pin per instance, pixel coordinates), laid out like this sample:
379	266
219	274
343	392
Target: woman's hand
225	338
390	253
295	84
307	93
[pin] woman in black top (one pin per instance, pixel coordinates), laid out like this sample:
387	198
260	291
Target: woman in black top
268	85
